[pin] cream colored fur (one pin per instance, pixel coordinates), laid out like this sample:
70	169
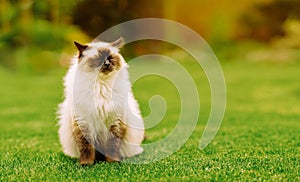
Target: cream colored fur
96	101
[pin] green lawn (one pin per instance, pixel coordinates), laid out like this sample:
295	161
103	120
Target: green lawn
259	138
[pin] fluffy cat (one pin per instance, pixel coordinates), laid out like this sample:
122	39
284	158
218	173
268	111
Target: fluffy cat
99	118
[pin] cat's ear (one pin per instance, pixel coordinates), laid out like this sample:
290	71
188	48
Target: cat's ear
118	43
80	47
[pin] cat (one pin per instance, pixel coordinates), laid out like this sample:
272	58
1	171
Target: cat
99	118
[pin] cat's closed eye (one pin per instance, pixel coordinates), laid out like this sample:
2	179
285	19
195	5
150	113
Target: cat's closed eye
97	61
104	54
109	58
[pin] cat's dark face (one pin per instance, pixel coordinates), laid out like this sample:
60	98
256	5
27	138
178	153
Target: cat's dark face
105	61
101	57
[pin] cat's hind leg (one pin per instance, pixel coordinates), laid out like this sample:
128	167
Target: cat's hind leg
65	131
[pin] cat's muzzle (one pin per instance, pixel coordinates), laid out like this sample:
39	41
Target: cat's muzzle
106	63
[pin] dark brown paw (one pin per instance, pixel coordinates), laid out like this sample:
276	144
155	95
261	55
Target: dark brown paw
86	162
108	159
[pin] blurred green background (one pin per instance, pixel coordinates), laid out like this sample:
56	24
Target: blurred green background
37	36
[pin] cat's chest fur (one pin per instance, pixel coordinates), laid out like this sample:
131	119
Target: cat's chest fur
104	102
100	102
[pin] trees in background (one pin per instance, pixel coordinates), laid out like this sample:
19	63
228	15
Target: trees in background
36	33
264	21
23	22
95	16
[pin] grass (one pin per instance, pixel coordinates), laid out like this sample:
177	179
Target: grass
259	138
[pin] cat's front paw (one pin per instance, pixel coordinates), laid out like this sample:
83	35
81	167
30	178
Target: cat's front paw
114	159
86	162
118	129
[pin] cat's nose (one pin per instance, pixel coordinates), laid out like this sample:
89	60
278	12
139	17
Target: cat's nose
106	63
